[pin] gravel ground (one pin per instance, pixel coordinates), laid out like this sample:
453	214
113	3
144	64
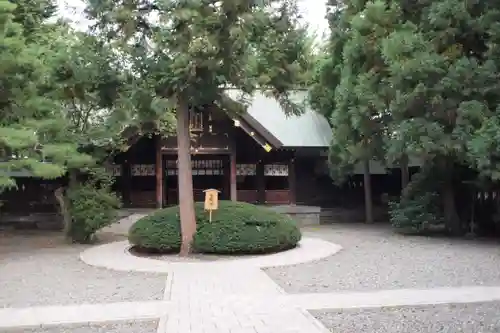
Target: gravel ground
39	269
450	318
149	326
374	258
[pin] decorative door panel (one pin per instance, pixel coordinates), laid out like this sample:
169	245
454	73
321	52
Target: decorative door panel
142	170
276	170
211	167
246	169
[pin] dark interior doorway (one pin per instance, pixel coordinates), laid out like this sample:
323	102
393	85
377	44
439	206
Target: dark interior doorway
209	171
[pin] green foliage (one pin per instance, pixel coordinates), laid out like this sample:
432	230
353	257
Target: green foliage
157	232
244	228
236	228
419	208
193	50
186	54
91	84
350	82
445	83
92	206
24	109
37	127
31	14
484	148
405	79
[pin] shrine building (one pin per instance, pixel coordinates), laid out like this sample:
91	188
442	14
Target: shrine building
260	157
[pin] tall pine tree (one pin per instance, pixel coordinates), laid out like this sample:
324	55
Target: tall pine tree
57	97
444	74
352	86
186	53
27	115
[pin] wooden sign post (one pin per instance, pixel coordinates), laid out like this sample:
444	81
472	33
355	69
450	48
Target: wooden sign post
211	201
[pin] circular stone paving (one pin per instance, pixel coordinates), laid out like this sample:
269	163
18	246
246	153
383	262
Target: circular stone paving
195	257
117	256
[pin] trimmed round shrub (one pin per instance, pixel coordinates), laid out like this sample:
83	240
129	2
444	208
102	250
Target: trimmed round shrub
236	228
158	232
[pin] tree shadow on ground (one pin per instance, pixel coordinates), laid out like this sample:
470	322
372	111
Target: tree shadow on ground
29	241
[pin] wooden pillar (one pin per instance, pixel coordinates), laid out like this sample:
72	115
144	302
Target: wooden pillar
159	173
226	187
232	175
292	182
126	182
367	185
261	183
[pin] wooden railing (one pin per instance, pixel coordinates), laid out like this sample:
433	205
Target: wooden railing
250	196
148	198
143	198
277	197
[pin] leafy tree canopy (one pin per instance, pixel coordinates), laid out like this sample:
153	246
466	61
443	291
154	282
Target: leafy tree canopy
26	113
184	54
193	50
59	94
414	79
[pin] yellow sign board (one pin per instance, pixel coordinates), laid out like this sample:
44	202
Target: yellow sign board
267	147
211	201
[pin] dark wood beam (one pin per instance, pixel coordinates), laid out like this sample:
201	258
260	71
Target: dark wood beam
261	183
159	173
232	178
200	151
126	181
292	181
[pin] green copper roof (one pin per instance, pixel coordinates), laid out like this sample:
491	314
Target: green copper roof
310	129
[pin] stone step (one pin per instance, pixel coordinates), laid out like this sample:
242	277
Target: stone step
341	215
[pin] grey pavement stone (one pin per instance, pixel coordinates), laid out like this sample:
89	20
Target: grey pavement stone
142	326
127	219
374	258
39	269
450	318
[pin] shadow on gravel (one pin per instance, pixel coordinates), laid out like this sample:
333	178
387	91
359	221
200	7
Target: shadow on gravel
29	241
384	229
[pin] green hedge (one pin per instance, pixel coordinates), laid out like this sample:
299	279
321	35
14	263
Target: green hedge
236	228
419	209
91	209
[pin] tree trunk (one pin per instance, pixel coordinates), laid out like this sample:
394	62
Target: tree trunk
451	217
368	192
405	173
62	199
64	210
185	179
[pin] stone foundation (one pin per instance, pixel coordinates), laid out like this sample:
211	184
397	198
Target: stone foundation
347	215
304	215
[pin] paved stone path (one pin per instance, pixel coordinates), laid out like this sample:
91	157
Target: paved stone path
233	296
229	296
252	310
235	299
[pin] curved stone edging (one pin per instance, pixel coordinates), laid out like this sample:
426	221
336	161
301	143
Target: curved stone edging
116	256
